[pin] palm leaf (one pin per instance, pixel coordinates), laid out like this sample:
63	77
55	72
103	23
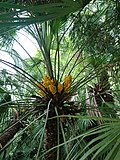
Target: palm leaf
25	15
105	142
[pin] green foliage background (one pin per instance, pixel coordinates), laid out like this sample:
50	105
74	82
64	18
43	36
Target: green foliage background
80	38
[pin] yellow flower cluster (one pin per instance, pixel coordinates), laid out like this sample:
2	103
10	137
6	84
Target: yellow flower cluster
49	84
41	90
67	83
60	87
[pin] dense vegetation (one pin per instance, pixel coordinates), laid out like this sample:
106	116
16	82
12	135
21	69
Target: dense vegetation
63	102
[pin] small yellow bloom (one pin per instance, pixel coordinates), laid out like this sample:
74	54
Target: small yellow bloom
67	83
53	82
52	89
60	87
41	89
46	78
68	79
46	84
67	87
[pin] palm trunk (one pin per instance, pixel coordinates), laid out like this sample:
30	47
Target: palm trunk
52	136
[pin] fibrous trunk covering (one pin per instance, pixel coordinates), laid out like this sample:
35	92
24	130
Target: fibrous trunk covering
9	133
52	136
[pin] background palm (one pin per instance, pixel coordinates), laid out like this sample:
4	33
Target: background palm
84	59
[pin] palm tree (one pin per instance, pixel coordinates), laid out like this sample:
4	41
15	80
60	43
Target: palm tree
45	99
